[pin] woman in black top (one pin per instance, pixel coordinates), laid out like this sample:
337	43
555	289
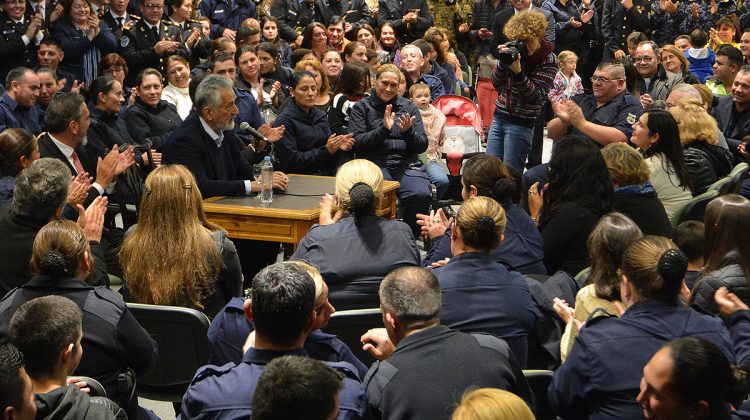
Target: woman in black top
106	128
578	193
151	117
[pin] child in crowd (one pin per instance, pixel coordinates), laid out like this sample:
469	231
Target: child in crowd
633	40
567	82
434	126
700	56
688	236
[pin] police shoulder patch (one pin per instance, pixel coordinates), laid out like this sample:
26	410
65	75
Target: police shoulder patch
125	41
631	118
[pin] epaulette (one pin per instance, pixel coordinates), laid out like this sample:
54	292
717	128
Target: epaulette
211	370
169	23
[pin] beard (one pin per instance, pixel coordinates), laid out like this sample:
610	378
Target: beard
229	126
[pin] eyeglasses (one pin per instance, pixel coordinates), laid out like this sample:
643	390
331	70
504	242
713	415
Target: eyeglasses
595	79
153	6
644	59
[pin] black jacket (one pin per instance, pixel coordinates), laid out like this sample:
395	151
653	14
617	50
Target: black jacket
138	42
105	131
155	123
18	235
706	164
302	150
13	52
47	148
734	132
645	209
386	148
732	276
112	338
483	16
69	402
393	11
218	170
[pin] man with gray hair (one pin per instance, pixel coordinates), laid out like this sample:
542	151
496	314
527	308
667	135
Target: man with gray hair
207	145
425	367
39	196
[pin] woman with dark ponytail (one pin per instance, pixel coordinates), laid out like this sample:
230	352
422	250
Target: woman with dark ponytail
355	248
480	294
601	377
487	176
690	378
114	341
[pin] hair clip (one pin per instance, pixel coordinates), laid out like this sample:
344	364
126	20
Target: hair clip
187	187
148	190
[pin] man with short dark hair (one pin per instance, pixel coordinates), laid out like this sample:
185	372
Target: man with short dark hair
16	398
17	102
296	388
653	79
49	55
729	61
283	314
248	35
48	331
425	367
733	112
606	115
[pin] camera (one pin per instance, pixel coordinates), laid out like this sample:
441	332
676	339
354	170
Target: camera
508	56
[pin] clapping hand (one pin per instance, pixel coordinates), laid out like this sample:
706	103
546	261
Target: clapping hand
728	303
326	209
91	220
434	224
79	189
405	122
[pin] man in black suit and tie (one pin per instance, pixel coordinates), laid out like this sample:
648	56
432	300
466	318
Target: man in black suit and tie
207	145
118	19
19	36
67	121
50	12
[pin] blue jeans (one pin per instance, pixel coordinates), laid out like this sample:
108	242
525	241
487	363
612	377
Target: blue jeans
437	177
509	142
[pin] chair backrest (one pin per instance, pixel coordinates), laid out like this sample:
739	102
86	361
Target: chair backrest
349	327
719	184
183	348
539	381
736	177
695	208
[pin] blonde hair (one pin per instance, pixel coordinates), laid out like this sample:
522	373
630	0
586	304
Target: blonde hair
677	53
325	85
390	68
359	170
492	404
694	122
418	87
640	263
706	95
313	272
525	26
626	166
172	221
481	222
565	56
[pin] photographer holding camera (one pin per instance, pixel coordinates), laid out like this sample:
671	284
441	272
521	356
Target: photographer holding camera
523	76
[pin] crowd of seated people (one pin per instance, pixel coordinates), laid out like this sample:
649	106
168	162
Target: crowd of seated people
647	104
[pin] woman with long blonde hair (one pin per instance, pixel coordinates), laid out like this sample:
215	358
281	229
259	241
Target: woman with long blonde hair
174	255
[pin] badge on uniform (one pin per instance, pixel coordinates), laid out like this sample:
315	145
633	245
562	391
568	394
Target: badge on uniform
124	41
631	119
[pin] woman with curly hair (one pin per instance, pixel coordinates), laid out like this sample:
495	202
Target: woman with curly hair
196	265
706	161
522	87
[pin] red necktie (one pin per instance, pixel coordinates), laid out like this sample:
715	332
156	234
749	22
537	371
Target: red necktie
77	163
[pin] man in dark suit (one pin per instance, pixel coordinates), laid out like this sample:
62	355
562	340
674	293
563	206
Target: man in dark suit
294	16
46	10
150	41
67	121
354	13
207	145
19	36
410	18
733	112
40	195
117	18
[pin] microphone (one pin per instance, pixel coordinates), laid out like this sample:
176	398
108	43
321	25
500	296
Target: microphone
244	126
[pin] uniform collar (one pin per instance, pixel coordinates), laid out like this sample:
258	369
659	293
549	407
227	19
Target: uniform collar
255	356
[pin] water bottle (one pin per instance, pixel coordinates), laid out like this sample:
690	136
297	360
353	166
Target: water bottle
266	181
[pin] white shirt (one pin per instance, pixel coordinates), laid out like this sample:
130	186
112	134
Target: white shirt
219	138
67	151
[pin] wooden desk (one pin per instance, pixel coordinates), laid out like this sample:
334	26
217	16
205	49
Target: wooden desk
290	216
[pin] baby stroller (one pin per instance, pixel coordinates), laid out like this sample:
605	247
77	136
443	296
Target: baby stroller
463	137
